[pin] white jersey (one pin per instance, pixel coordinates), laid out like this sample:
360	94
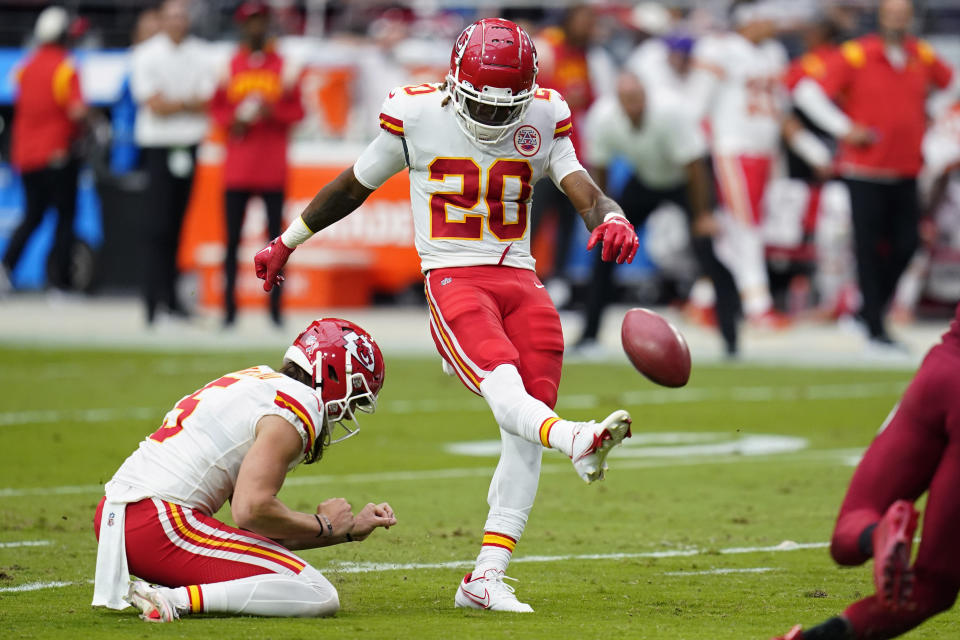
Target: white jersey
470	201
193	459
738	86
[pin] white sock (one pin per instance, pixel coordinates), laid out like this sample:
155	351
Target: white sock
519	413
306	595
513	490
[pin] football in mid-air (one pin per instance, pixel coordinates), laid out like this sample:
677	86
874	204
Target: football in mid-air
655	348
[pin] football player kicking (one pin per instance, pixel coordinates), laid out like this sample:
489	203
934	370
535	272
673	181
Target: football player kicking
475	145
236	439
918	449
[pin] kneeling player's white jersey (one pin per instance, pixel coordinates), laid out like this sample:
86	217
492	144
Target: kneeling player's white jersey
193	459
470	201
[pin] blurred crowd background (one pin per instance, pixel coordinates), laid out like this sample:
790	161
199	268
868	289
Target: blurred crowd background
184	151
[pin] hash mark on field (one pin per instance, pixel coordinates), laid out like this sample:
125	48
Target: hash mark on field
24	543
760	393
719	572
35	586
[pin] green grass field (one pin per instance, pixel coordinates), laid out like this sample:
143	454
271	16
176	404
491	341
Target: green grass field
692	515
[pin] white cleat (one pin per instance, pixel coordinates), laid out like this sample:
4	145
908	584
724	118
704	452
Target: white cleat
489	592
153	603
592	443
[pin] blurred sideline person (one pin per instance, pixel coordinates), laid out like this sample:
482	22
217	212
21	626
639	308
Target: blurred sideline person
562	56
256	103
736	85
661	140
48	115
882	82
917	450
124	153
172	83
236	439
475	146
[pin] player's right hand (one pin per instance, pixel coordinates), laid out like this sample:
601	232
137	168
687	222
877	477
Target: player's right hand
619	239
269	261
371	517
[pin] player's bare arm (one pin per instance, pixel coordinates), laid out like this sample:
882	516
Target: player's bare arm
603	217
255	505
335	201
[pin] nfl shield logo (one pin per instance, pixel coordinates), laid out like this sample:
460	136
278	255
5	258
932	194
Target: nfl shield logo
527	140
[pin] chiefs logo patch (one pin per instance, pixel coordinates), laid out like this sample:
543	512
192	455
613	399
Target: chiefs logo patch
360	348
527	140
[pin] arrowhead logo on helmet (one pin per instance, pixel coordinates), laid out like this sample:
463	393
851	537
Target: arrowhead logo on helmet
492	78
327	349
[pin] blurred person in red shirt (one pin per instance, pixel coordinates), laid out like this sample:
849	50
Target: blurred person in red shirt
48	113
257	103
562	55
881	82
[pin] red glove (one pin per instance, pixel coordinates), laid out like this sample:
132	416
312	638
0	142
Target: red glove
269	261
619	240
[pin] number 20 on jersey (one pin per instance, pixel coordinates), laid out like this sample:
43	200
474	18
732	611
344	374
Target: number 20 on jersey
469	195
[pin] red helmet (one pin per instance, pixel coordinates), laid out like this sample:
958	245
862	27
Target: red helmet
347	369
493	74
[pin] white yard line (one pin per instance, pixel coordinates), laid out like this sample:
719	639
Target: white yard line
372	567
368	567
759	393
840	456
25	543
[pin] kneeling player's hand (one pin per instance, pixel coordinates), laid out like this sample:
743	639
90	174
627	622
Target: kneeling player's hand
340	513
269	261
619	239
371	517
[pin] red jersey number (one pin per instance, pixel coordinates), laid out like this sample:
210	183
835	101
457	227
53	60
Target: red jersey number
467	198
186	407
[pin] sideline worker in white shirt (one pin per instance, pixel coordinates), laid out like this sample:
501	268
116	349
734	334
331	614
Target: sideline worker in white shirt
667	151
172	81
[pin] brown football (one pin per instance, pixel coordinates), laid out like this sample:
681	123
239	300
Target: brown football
655	348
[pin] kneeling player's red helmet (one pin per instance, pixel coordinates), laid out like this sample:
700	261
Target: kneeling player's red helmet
492	79
347	369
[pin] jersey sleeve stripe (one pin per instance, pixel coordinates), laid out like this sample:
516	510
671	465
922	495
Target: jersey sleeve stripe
391	128
397	122
564	127
286	401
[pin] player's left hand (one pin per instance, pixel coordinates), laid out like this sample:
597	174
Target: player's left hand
619	240
269	261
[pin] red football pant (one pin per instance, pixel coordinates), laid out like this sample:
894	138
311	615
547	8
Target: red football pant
918	450
741	184
485	316
176	546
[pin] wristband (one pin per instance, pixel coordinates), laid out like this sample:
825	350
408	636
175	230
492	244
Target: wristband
613	214
321	523
296	234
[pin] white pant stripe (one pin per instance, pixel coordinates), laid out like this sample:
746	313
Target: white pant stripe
477	371
451	360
